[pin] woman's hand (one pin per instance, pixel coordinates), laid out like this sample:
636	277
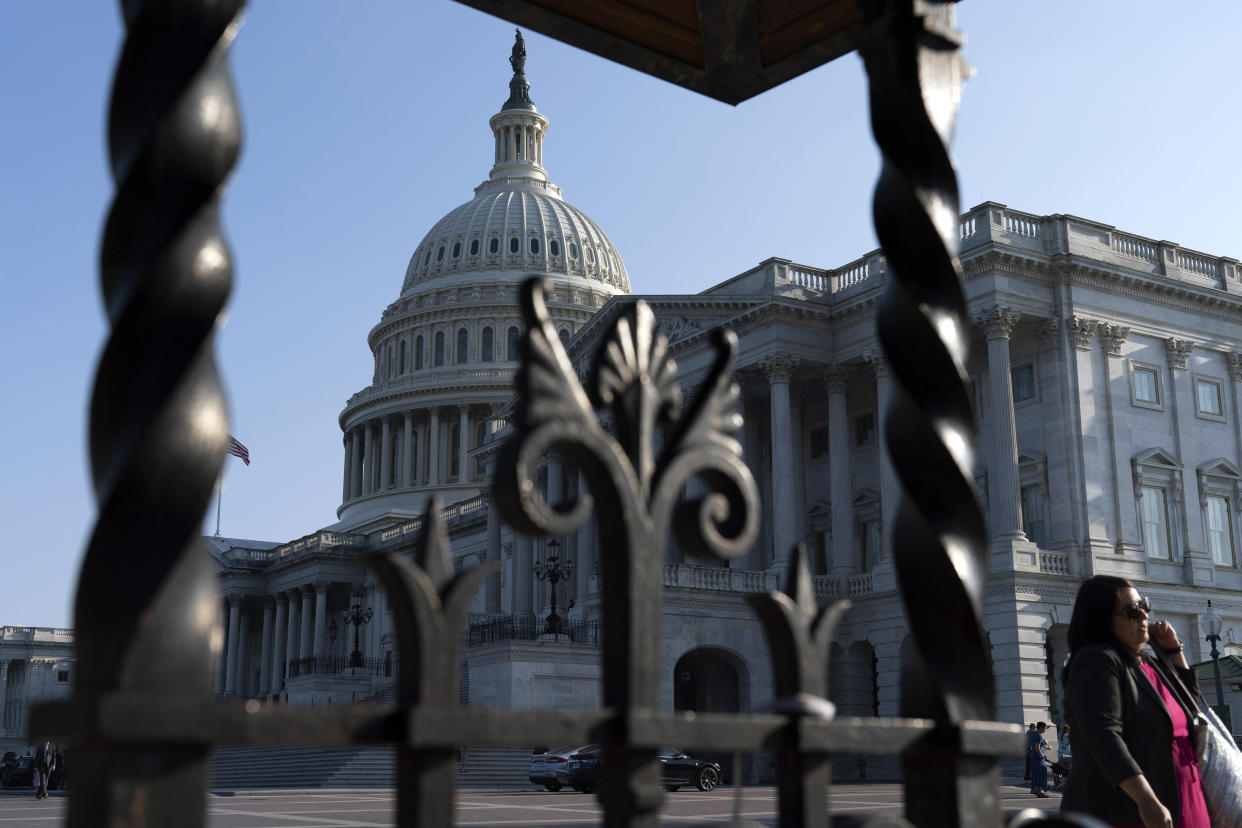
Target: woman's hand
1162	633
1155	815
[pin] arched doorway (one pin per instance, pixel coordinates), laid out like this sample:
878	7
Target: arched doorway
713	680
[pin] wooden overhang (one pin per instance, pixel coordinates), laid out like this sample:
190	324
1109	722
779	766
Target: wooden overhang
729	50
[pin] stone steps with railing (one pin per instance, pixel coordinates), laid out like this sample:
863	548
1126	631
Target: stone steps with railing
258	768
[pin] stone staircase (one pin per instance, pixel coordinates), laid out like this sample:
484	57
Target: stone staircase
255	768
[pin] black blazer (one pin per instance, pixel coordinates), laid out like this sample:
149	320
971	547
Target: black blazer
1120	728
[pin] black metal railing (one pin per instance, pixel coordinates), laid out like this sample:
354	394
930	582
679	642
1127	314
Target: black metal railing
324	665
530	628
142	720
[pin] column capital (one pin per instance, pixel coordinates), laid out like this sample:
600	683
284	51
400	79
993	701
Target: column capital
1082	330
1050	334
281	600
878	362
779	367
322	586
1235	373
837	378
268	602
463	408
234	599
1113	337
997	322
1178	351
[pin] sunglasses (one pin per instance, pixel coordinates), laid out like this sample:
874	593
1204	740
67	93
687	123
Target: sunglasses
1135	610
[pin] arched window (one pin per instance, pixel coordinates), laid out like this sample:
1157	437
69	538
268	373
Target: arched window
395	467
463	345
590	256
573	251
474	247
413	457
427	258
405	349
534	245
564	335
392	364
486	342
439	348
456	249
554	247
493	246
440	254
514	244
418	353
511	351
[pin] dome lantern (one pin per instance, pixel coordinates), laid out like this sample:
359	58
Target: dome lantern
518	126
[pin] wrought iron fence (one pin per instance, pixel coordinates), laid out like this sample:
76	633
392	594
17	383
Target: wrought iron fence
143	720
530	628
323	665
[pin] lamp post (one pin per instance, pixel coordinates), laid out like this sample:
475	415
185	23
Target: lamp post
1211	624
357	616
553	571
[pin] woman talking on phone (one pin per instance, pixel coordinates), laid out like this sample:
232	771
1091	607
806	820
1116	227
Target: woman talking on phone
1134	764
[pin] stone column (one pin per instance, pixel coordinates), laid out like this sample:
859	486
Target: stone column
230	654
355	482
385	454
433	448
306	641
492	600
523	560
222	657
368	465
1113	338
586	547
890	488
4	686
842	558
1235	374
280	635
463	445
349	464
321	618
407	440
779	369
1198	565
243	657
1004	497
265	649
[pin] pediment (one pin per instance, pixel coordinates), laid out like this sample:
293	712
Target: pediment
1220	467
822	508
1026	458
866	496
1156	457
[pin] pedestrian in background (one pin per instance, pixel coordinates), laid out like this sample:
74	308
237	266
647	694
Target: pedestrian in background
44	763
1134	764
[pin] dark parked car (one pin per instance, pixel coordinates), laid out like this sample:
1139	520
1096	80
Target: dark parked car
550	767
21	773
677	770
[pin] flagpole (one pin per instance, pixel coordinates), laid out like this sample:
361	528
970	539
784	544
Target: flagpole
219	497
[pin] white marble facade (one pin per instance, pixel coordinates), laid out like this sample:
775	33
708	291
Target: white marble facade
36	665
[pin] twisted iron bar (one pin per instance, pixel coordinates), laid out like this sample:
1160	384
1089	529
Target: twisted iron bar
939	538
146	606
635	381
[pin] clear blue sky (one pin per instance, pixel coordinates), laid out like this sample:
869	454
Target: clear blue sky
367	121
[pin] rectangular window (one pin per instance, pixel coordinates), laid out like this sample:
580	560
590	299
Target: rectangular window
1220	530
819	442
1207	396
1155	522
1023	381
1146	386
864	429
823	543
62	676
868	544
1034	515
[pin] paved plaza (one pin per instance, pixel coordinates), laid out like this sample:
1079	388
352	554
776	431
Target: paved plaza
348	809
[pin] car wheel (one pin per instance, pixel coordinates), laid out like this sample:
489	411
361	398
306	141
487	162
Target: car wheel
672	788
552	786
708	779
588	789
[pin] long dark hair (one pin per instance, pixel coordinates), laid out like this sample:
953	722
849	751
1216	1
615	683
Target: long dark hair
1092	621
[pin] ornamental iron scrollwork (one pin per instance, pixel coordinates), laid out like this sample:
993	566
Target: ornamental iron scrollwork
639	496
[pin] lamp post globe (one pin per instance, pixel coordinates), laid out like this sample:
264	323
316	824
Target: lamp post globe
356	615
1211	624
553	571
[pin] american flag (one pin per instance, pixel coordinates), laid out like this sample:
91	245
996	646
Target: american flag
238	450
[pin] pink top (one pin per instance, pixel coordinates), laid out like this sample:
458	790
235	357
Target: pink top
1185	765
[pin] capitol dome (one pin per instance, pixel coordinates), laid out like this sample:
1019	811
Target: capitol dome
445	351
